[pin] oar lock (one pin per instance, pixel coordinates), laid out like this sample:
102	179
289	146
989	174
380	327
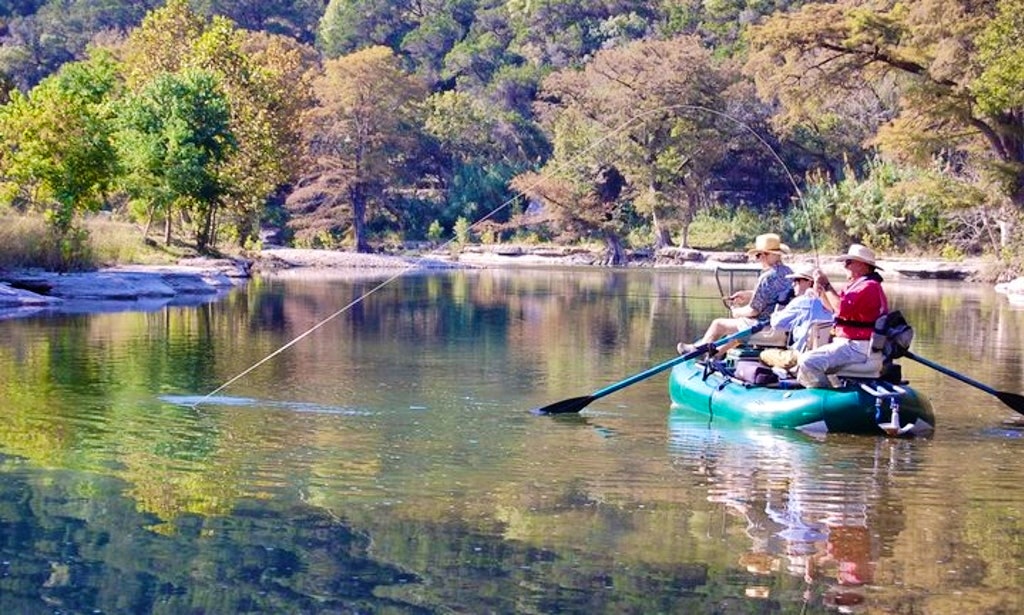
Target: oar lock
880	393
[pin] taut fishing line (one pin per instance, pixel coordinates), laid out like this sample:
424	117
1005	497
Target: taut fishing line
611	133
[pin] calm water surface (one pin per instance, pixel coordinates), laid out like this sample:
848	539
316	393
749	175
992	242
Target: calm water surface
388	462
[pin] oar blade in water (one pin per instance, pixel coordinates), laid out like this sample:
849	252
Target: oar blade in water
566	405
1012	400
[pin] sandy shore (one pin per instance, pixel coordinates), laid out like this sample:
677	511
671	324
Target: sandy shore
275	260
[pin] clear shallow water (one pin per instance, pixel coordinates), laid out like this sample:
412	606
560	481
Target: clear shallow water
389	463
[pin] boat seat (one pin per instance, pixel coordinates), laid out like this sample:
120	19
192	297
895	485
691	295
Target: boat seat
820	334
769	337
872	368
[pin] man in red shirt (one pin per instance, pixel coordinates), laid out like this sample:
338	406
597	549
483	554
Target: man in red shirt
856	308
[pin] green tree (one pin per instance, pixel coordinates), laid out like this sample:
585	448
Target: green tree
480	148
54	145
263	78
648	110
42	36
437	27
560	33
350	25
296	19
163	43
172	137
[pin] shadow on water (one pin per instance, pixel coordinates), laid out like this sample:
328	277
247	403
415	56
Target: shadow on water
584	421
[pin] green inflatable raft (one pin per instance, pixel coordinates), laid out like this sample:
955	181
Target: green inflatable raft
856	406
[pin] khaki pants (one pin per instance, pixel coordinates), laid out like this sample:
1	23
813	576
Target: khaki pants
815	365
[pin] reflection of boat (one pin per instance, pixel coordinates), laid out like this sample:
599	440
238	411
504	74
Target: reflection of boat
809	508
858	406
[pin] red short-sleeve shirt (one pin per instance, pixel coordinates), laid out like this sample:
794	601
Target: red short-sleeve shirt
862	302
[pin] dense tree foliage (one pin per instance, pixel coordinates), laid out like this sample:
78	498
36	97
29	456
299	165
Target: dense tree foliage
362	137
172	135
55	147
931	79
648	110
625	118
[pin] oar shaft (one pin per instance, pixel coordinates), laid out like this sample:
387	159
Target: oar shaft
671	362
952	374
611	388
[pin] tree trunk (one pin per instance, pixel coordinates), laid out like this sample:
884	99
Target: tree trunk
204	230
615	256
151	210
1005	232
689	213
662	236
359	219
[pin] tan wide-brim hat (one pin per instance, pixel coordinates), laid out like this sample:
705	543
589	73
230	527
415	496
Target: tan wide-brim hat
860	253
802	273
769	243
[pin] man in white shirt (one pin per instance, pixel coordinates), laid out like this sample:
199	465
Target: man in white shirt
805	309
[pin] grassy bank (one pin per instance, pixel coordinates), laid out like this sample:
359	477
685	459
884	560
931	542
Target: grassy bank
28	242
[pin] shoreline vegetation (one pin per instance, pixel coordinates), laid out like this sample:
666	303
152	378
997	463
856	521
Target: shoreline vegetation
629	124
25	292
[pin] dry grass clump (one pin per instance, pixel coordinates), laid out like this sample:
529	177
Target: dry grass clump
115	242
27	241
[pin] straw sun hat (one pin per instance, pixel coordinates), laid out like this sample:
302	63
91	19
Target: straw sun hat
806	273
769	243
857	252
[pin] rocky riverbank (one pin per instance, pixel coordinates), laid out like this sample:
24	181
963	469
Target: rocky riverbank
124	288
201	280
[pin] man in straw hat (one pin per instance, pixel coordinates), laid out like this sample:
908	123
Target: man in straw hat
856	309
749	307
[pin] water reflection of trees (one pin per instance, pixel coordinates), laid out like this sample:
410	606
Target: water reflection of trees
66	552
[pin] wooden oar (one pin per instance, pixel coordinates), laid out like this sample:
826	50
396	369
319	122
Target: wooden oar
575	404
1012	400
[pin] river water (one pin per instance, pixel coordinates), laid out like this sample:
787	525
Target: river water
387	461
